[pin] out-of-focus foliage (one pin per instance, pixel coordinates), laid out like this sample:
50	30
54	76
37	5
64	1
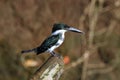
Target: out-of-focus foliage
24	24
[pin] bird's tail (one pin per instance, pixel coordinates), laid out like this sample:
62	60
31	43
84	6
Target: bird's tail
27	51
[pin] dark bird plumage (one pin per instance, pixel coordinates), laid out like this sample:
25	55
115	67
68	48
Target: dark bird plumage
48	43
54	40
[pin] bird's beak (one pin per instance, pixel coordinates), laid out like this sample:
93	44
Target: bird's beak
75	30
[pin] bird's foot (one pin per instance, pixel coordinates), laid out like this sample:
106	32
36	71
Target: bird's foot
55	54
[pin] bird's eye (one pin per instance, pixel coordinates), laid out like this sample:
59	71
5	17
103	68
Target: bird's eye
66	26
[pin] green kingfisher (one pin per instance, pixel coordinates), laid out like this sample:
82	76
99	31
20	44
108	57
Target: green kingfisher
54	40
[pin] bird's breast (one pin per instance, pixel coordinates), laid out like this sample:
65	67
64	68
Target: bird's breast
59	42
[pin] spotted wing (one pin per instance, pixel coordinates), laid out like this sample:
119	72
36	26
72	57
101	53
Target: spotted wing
48	43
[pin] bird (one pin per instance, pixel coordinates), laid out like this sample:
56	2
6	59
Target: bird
54	40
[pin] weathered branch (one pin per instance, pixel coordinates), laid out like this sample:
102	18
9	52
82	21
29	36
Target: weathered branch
50	70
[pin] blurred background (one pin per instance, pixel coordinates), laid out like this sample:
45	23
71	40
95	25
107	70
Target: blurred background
24	24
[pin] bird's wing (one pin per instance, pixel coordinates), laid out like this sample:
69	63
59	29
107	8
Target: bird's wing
49	42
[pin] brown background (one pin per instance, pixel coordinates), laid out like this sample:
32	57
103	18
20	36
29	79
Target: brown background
24	24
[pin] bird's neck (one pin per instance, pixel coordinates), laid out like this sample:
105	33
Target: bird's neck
59	32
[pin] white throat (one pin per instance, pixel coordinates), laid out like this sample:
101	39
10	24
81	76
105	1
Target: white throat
59	32
60	41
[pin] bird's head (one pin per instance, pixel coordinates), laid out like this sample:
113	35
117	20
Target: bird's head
63	28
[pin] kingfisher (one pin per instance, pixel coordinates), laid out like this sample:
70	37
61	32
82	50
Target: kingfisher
54	40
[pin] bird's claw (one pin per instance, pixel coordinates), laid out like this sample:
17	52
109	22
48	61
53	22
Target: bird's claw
55	54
